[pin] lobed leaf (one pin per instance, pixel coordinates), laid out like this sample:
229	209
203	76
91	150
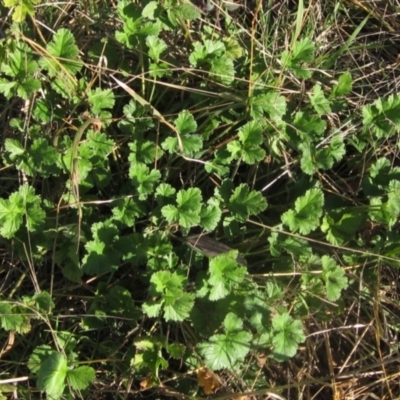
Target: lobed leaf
244	202
63	54
287	335
308	210
52	375
225	275
80	378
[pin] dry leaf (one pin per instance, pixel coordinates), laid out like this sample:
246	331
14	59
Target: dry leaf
210	247
262	359
147	382
208	380
8	346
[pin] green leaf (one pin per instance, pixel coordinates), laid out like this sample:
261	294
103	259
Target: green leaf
224	351
186	11
81	377
308	210
64	53
380	167
344	85
144	152
63	87
219	164
308	126
19	64
128	210
272	103
257	310
319	102
159	70
232	323
156	47
336	149
199	53
164	191
274	291
171	213
178	306
136	27
40	353
22	8
100	99
313	159
189	200
383	117
210	50
250	136
97	146
14	147
303	51
41	158
185	123
296	247
9	319
334	278
387	212
66	340
225	275
377	210
225	190
11	213
380	174
340	226
149	9
251	133
27	87
233	48
102	253
253	155
7	88
43	302
148	358
188	208
235	148
224	69
143	179
153	310
23	203
244	202
191	144
210	216
165	281
52	374
393	203
34	214
176	350
287	335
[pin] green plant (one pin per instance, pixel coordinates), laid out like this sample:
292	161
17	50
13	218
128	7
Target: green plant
104	183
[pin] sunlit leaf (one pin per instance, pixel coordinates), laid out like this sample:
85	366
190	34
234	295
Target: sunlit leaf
52	374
